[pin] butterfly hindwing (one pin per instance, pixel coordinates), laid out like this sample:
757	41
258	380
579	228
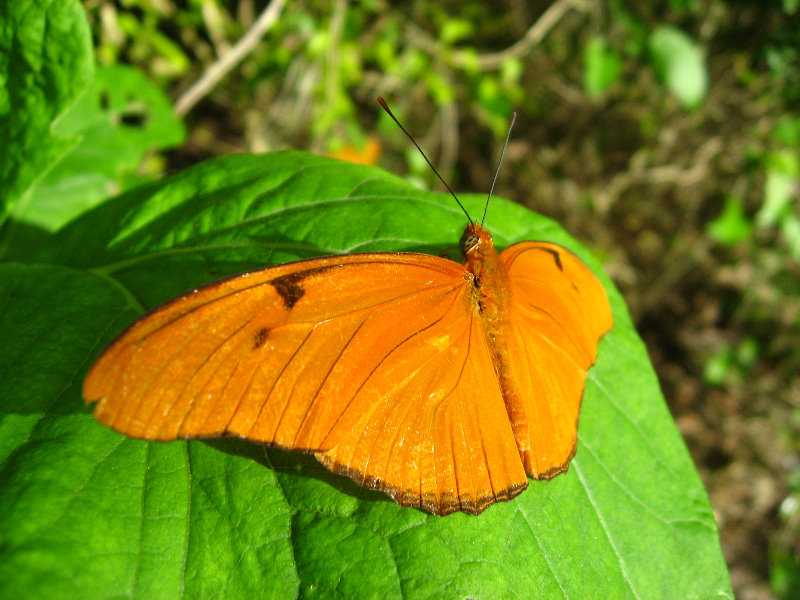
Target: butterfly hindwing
558	313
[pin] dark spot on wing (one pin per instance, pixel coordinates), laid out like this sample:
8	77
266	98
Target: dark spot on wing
289	288
556	257
260	338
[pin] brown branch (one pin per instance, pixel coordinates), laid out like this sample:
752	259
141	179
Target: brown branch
521	47
228	61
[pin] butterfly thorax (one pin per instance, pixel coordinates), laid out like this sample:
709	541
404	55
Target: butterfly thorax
490	292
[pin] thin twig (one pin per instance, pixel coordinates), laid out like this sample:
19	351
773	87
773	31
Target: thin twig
212	17
661	174
449	154
521	47
332	69
225	63
532	37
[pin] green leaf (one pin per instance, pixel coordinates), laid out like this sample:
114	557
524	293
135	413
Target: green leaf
86	512
45	64
119	120
787	131
601	67
783	172
494	101
733	225
455	30
784	577
718	365
790	230
780	190
730	363
679	65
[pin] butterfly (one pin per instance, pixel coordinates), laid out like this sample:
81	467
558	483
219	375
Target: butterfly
443	384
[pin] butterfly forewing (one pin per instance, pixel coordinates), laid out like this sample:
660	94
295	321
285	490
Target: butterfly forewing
377	362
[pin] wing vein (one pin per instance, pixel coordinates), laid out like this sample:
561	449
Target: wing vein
154	376
206	360
384	358
315	397
275	383
242	396
550	414
567	334
260	284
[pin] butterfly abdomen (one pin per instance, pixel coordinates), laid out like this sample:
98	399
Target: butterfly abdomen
491	302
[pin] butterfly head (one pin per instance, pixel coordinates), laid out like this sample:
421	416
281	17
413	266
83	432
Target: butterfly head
474	238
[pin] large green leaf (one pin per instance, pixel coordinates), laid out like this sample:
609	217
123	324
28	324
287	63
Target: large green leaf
120	118
86	512
45	64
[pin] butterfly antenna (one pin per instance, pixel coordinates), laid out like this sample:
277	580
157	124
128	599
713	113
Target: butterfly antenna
500	162
385	106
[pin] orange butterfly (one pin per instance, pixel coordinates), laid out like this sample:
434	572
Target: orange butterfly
442	384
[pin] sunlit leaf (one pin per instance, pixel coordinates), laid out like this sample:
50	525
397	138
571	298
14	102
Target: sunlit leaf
601	67
732	225
679	64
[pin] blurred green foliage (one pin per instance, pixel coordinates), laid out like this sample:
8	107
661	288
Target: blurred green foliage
731	362
602	67
732	225
679	65
784	554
